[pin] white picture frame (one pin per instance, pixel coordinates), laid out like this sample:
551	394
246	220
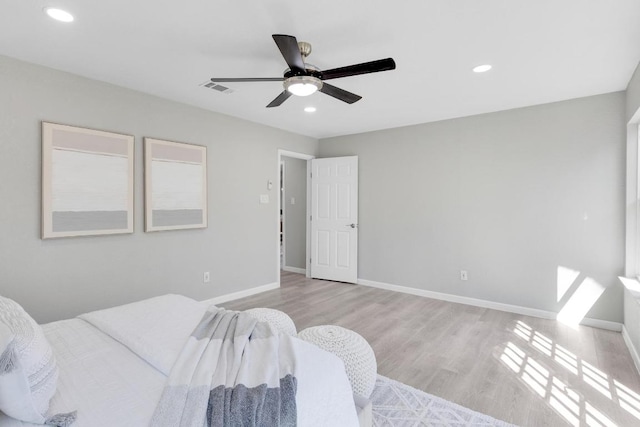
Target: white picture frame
87	182
175	185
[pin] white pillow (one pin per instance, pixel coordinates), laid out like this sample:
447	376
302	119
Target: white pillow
28	371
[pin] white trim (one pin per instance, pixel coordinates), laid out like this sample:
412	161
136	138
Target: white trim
283	213
241	294
294	270
632	252
306	157
602	324
527	311
307	255
295	155
632	349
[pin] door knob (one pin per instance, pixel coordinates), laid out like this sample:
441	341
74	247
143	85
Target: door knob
352	225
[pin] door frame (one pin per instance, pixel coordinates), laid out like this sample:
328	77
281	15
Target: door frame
307	157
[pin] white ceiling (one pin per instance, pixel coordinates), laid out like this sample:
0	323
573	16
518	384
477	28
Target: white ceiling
541	50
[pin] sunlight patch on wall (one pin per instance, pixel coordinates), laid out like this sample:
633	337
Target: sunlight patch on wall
566	278
580	302
631	284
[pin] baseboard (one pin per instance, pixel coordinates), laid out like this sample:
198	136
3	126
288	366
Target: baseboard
632	349
602	324
294	270
241	294
526	311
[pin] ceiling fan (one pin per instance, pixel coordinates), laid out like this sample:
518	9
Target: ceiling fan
303	79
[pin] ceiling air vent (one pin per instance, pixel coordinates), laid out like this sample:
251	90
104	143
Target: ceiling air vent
215	86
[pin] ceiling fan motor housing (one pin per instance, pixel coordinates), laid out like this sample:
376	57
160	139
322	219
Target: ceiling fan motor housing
305	49
303	82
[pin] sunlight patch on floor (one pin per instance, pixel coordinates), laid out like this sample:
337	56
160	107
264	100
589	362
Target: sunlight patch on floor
629	400
564	399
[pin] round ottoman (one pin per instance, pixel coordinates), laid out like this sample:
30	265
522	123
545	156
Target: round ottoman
278	320
356	353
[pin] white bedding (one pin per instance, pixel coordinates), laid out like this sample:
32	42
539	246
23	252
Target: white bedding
155	329
112	383
100	378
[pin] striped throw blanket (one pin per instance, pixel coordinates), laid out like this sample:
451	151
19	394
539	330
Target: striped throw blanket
232	371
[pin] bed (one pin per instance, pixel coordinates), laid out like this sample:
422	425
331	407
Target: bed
113	366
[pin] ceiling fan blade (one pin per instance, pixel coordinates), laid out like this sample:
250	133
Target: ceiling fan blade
364	68
340	94
288	46
248	79
280	99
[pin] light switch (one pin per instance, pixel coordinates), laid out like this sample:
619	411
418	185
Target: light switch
264	199
293	200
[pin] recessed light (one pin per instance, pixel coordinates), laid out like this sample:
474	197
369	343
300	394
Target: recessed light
482	68
58	14
310	109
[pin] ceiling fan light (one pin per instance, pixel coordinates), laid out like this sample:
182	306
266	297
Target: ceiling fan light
302	89
58	14
302	85
482	68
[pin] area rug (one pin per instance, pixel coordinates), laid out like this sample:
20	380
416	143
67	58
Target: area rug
397	404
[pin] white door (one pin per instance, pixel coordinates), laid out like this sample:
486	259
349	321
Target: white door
334	219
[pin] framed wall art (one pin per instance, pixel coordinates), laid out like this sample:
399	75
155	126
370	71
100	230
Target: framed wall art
175	185
87	182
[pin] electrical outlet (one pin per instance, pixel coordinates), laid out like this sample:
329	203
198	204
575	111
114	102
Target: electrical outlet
206	277
463	275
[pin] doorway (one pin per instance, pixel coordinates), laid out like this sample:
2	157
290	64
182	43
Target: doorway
293	208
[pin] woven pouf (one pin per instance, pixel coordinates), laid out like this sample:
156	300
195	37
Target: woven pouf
278	320
356	353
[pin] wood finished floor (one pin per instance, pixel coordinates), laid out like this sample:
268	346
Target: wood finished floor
523	370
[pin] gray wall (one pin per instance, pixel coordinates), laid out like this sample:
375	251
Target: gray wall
59	278
633	94
295	231
509	196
